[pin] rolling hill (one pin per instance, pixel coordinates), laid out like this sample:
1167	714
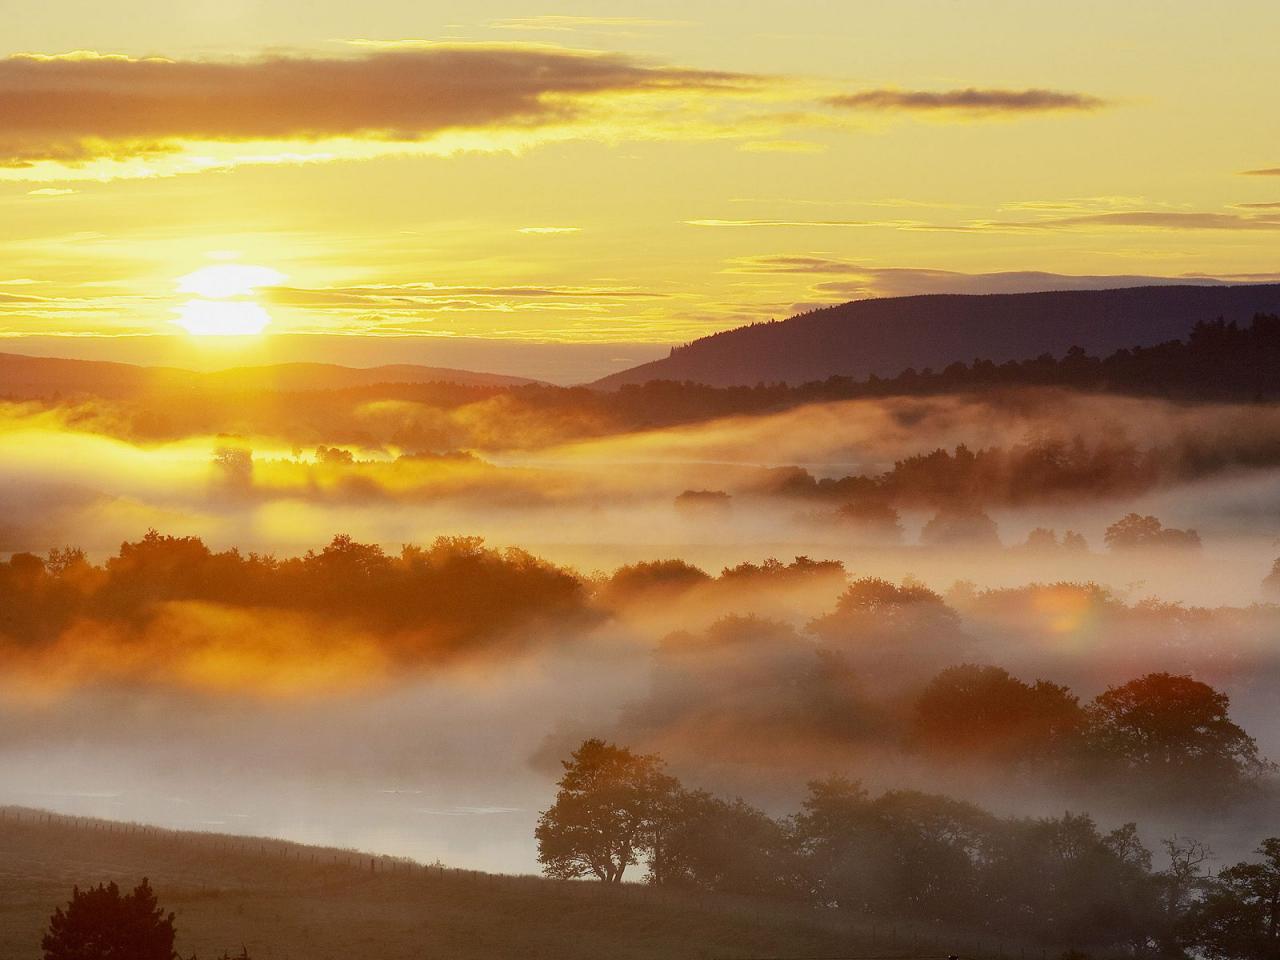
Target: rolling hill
24	377
884	337
287	900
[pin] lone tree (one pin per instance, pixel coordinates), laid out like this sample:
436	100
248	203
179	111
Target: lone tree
606	814
100	924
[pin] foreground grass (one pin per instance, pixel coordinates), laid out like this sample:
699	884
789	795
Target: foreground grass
284	900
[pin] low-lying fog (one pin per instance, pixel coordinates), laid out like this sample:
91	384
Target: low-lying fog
341	738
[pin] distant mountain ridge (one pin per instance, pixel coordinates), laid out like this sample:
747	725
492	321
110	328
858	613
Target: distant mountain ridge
886	336
22	376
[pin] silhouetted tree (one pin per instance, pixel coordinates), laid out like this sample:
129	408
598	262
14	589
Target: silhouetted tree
704	503
725	846
606	813
1174	731
1074	541
973	712
961	526
234	467
872	517
1239	918
1133	530
1042	539
1063	880
1271	582
1180	882
101	924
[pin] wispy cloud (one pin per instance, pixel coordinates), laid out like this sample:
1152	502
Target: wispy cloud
970	100
563	24
712	222
549	231
422	298
1149	219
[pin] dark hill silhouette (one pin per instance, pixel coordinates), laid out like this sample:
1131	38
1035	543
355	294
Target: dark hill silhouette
884	337
24	377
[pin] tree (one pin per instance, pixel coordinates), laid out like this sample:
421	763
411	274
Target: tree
1042	539
961	526
606	814
1174	729
1074	541
873	517
1271	582
100	924
975	712
1133	531
1179	884
830	834
725	846
892	632
1065	881
1239	918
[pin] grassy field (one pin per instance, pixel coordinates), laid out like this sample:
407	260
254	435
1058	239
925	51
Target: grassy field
285	900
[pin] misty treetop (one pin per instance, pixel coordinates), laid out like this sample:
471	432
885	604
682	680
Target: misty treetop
755	692
449	594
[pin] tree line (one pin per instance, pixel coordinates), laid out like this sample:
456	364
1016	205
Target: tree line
1217	360
907	855
454	591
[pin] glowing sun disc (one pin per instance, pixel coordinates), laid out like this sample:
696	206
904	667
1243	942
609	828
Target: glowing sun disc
230	318
228	280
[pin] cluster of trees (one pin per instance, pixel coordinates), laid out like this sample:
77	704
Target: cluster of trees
1037	470
452	591
909	855
649	581
1169	731
868	673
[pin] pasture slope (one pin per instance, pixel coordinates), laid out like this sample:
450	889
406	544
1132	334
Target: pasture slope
286	901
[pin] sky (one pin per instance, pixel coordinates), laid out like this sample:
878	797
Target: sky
476	182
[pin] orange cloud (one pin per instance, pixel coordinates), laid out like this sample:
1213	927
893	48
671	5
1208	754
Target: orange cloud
76	108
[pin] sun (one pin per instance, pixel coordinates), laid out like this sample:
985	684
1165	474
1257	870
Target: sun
229	280
225	318
223	306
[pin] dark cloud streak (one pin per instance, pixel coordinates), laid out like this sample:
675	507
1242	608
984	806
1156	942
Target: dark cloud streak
968	100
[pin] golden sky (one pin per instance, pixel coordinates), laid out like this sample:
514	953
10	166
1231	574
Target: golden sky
630	172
